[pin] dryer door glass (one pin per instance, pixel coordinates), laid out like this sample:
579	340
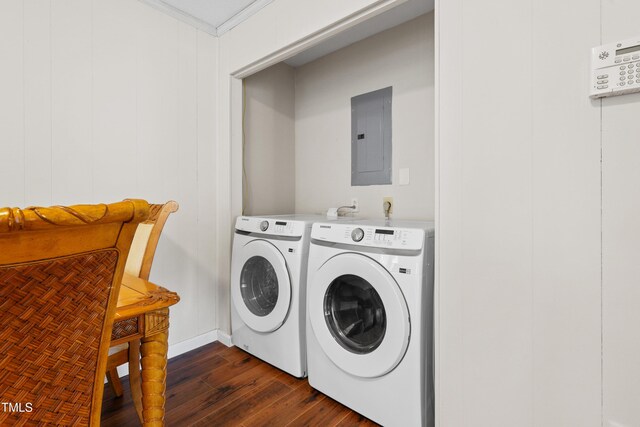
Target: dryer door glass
259	286
355	314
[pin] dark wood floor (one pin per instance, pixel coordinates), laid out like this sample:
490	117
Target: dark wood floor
216	386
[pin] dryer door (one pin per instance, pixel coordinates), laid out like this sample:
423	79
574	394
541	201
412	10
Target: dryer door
359	315
261	292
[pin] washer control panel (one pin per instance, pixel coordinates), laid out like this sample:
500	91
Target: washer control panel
615	68
274	227
372	236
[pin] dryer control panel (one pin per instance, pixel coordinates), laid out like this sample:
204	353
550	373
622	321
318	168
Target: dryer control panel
270	226
370	236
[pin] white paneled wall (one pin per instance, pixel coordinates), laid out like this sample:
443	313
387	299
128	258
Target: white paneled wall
207	127
115	100
37	101
565	160
495	201
72	108
104	100
620	235
519	217
538	207
269	142
12	103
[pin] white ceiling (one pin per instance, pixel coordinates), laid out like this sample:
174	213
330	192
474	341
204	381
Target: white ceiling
213	12
213	16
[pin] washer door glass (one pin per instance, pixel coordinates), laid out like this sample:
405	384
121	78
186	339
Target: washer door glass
355	314
259	286
358	314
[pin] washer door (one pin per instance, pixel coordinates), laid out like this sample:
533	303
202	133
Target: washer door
359	315
262	292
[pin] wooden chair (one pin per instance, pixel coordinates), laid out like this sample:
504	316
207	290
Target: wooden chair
138	264
60	273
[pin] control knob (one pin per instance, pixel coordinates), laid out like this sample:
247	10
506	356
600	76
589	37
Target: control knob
264	225
357	234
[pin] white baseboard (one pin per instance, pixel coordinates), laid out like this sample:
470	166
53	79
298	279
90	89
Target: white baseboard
224	338
188	345
191	344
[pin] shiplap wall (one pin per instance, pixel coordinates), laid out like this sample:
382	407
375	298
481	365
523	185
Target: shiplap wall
107	99
538	202
620	235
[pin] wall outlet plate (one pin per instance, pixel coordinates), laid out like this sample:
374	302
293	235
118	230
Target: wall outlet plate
354	202
384	201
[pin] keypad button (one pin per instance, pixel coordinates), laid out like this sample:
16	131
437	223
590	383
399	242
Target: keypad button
622	67
635	57
602	87
622	73
630	71
630	65
601	82
622	78
617	61
638	64
621	84
626	58
638	81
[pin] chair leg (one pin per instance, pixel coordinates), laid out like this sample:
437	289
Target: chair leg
134	376
114	381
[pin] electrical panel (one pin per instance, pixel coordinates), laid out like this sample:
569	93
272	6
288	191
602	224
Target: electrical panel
371	138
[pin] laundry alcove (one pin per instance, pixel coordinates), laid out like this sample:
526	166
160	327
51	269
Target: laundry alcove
296	120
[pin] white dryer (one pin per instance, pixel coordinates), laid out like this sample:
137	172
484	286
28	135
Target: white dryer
268	277
370	318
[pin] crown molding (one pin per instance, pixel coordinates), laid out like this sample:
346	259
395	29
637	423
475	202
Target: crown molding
241	16
182	16
235	20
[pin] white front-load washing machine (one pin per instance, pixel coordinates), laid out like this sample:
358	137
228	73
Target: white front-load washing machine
370	318
268	278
